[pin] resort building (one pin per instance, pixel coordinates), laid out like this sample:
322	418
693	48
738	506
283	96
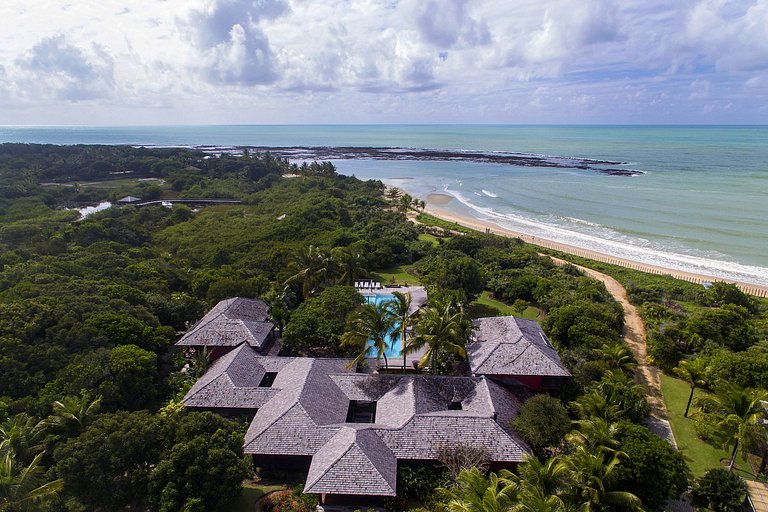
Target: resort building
515	349
351	431
230	323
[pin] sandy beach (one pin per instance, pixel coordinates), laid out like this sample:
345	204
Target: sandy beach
435	200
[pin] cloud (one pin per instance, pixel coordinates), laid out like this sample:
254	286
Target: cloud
733	35
445	23
234	49
55	68
568	28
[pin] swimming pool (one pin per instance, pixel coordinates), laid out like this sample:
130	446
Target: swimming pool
394	349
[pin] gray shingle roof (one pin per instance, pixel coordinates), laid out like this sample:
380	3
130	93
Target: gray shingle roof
305	412
229	323
353	461
233	381
507	345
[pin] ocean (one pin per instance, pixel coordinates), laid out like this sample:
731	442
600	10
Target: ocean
696	199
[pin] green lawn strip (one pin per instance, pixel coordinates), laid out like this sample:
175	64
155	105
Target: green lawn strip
246	502
699	454
400	274
424	237
485	305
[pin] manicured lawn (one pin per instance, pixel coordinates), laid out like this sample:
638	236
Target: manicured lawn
487	306
251	493
400	273
699	454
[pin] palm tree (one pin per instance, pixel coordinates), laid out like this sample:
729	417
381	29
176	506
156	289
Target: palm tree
592	475
595	433
23	436
734	410
20	488
476	493
72	414
596	405
350	261
400	307
615	356
372	322
533	499
549	477
694	372
311	267
442	331
279	307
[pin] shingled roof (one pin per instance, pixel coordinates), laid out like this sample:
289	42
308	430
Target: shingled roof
305	411
354	461
413	420
230	323
507	345
233	381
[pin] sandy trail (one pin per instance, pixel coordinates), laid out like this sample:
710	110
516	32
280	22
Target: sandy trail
635	337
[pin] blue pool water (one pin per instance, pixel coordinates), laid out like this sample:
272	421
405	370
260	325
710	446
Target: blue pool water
394	349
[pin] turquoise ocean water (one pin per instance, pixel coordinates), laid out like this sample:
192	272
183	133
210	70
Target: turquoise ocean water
701	204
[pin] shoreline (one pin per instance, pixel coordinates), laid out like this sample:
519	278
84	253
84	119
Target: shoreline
486	226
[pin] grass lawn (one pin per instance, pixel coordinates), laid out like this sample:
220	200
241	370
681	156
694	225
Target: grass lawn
428	238
487	306
251	493
699	454
400	273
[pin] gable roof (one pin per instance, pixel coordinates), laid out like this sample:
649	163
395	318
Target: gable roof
507	345
230	323
353	461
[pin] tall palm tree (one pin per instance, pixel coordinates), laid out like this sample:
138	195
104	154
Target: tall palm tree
20	487
72	414
311	267
443	331
694	372
400	308
592	475
372	322
350	261
734	410
476	493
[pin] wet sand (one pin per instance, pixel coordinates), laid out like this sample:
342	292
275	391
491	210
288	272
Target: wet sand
483	226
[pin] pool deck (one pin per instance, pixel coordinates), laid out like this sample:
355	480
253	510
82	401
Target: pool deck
418	294
418	300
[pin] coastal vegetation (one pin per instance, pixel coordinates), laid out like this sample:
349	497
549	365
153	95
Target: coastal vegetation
90	388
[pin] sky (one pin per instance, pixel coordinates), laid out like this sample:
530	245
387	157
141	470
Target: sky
104	62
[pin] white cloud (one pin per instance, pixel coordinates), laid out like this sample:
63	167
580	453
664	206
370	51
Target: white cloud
55	68
394	60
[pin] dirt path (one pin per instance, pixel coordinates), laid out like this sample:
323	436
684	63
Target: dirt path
634	335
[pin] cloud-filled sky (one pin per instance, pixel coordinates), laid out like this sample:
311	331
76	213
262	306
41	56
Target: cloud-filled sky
383	61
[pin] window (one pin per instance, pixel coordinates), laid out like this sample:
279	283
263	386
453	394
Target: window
268	380
361	411
454	406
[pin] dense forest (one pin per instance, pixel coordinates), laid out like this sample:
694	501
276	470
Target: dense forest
90	386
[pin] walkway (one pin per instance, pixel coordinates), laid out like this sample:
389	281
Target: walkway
635	337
